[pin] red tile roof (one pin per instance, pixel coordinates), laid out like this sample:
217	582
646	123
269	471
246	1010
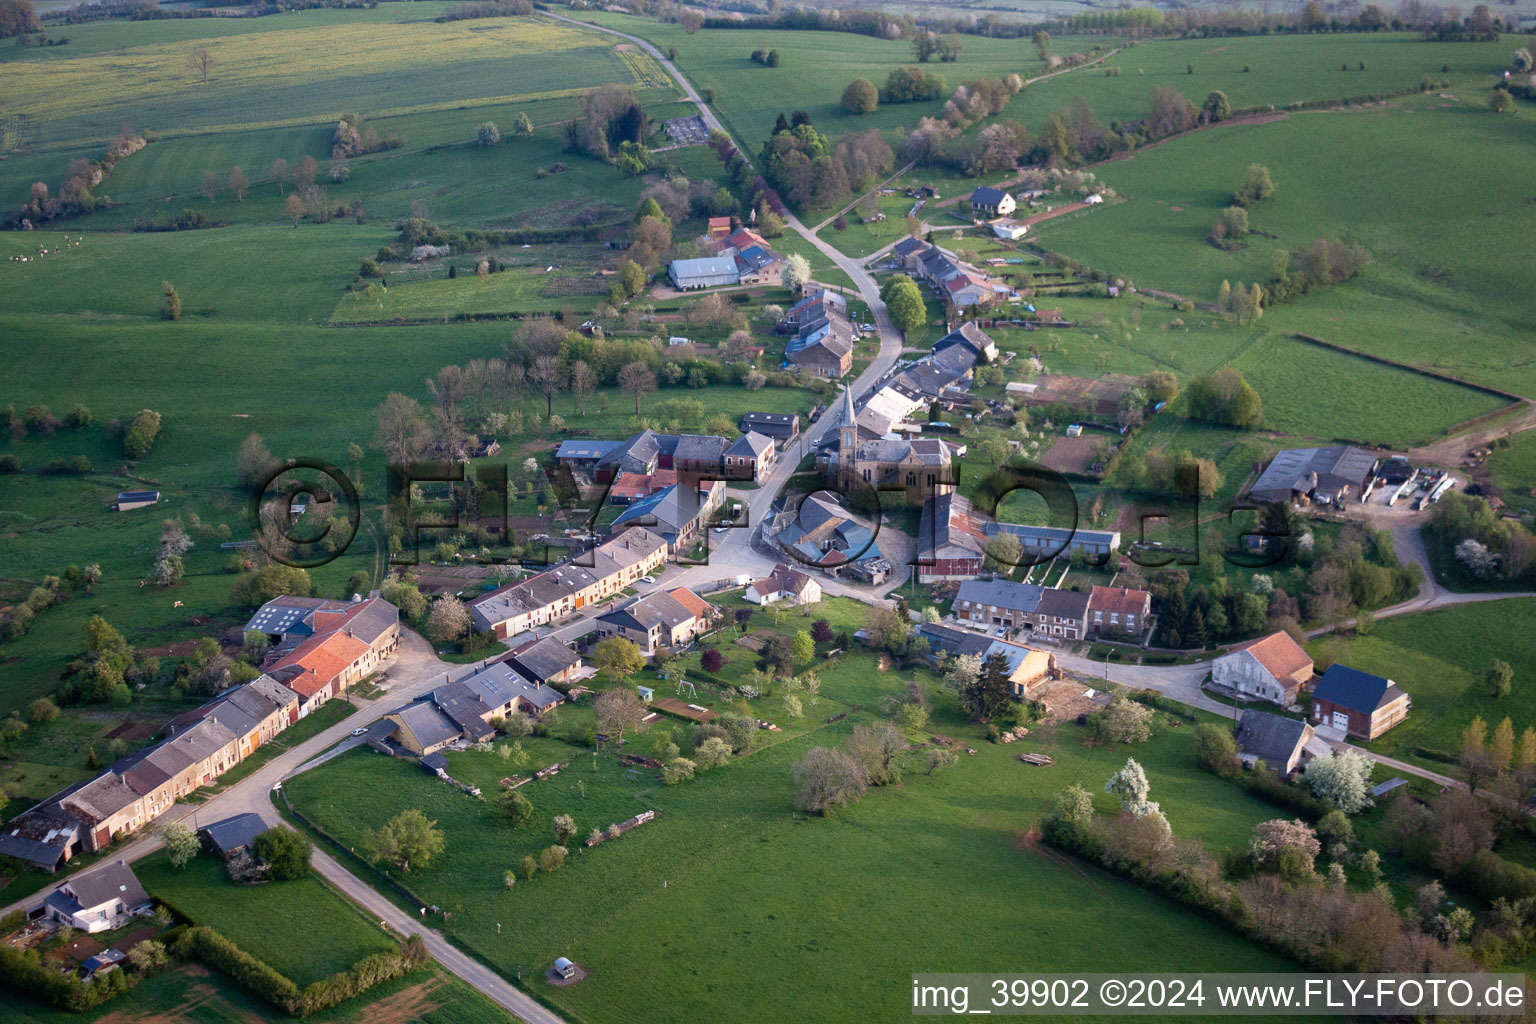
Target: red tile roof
321	659
691	601
1281	656
1119	599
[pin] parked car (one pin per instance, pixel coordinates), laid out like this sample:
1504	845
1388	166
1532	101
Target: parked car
358	731
647	579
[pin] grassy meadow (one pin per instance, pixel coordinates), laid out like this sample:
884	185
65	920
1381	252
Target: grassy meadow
393	60
1439	658
1443	289
721	943
260	918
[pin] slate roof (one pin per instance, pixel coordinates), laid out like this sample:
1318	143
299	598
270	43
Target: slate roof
751	444
646	613
949	520
1020	597
907	246
1274	738
542	660
282	614
1359	691
699	448
777	425
428	723
986	196
637	454
234	834
783	579
968	336
107	884
1067	604
672	508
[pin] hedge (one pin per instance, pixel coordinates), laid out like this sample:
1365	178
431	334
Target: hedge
219	953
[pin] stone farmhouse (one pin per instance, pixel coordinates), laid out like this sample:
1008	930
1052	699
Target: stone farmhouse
203	744
821	337
584	579
1272	668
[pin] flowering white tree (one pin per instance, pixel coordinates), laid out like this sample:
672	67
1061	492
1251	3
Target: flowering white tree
1129	785
1272	838
1344	778
797	271
1479	561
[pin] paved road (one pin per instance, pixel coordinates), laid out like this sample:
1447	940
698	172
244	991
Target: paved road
1408	543
413	671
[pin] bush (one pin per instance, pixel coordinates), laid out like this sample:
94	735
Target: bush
141	434
1215	750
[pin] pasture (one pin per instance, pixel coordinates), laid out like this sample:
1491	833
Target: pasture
399	63
1514	469
715	935
1439	657
261	918
1441	290
1318	392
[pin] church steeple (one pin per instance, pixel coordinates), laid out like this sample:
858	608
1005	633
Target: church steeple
847	442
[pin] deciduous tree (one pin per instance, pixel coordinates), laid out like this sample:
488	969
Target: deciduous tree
408	839
826	779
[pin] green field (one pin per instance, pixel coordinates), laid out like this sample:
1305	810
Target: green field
1442	290
389	62
749	883
261	918
1439	657
1318	392
1514	469
192	994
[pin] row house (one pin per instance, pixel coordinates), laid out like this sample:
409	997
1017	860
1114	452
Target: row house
323	648
585	579
1118	611
670	619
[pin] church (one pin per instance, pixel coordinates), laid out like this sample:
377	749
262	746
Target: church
922	466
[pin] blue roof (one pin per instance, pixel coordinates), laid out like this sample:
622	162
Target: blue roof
1351	688
585	449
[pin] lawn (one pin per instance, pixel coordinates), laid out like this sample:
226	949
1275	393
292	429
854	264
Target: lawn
193	994
261	918
1441	290
1439	657
820	889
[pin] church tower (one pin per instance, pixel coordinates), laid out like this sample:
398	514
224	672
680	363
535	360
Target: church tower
847	443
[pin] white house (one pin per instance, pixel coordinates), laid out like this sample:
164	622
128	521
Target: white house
100	900
1271	668
784	584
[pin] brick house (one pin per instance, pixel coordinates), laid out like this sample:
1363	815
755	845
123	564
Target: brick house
1358	703
1118	611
